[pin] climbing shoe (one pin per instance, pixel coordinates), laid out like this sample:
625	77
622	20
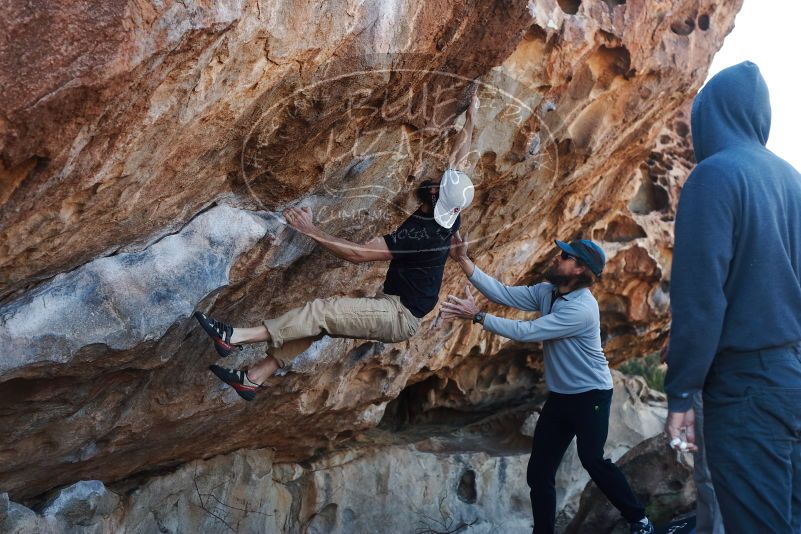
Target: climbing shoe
237	380
220	333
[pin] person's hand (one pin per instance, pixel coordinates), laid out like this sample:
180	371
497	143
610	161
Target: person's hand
456	308
300	219
680	428
458	246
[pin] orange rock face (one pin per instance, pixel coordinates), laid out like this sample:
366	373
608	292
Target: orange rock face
148	147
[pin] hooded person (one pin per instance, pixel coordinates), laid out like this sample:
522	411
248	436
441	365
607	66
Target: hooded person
736	307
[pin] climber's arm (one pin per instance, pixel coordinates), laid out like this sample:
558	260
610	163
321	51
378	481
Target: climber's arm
374	250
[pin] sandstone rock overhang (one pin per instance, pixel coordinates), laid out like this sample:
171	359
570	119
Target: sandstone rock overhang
146	149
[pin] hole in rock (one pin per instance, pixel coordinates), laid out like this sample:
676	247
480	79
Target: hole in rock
675	485
621	230
564	147
365	351
703	22
622	330
346	435
536	33
467	487
570	7
684	27
614	60
614	315
682	128
428	402
650	197
608	63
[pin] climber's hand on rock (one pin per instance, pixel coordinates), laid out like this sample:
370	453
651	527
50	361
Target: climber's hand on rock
301	220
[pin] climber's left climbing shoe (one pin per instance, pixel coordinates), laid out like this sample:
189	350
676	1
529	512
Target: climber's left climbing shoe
220	333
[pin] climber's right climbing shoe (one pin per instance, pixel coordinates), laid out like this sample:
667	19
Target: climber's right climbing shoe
238	380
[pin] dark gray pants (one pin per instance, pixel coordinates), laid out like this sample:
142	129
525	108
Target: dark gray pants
707	512
752	419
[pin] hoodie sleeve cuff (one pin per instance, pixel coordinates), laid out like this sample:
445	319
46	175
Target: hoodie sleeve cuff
680	404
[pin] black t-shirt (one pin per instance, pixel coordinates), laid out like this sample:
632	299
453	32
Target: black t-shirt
419	250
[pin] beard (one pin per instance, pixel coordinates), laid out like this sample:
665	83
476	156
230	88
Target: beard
425	193
574	281
556	278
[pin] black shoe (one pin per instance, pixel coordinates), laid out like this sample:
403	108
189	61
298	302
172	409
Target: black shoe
220	333
644	526
236	379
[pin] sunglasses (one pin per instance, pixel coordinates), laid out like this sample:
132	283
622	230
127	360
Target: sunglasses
565	256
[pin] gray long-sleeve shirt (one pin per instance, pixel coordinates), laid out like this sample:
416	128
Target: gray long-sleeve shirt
570	331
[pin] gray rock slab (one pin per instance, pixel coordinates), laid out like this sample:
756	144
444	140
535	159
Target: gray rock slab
126	299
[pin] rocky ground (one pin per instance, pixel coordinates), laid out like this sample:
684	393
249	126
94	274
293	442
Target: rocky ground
398	477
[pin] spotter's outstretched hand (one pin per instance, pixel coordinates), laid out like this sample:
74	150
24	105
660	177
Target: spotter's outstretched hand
456	308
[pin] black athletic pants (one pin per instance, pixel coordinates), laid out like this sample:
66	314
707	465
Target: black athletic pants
585	415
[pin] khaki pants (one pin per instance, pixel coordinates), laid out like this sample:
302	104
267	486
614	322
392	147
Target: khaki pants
380	318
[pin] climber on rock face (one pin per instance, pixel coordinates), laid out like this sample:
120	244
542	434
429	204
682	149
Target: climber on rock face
417	252
576	371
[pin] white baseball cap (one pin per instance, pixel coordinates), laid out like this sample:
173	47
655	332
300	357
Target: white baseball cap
455	194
